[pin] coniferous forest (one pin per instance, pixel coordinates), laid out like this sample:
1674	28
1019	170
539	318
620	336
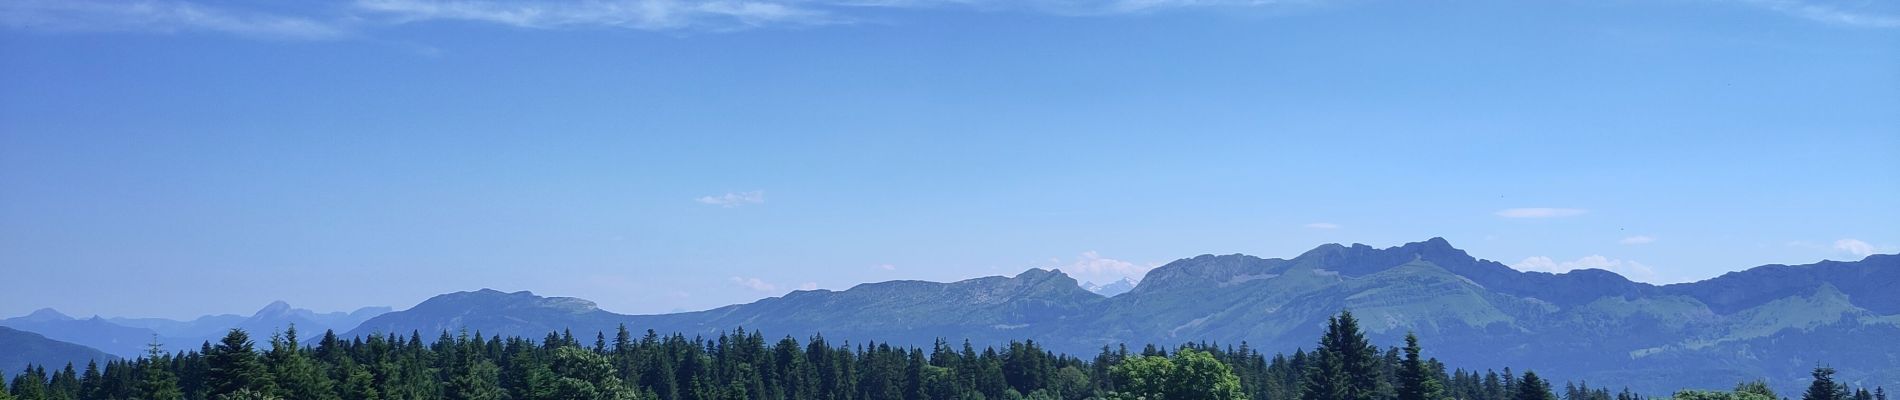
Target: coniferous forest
743	365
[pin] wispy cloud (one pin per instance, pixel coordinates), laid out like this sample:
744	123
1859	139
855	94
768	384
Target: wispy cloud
885	267
1630	269
1091	266
1540	212
1638	239
734	199
328	20
626	14
1855	246
338	19
162	17
808	286
755	284
1846	13
1322	225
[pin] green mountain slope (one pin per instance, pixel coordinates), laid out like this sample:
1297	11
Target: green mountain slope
1772	321
20	348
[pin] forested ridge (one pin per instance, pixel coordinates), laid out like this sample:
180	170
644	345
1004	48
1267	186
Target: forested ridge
742	364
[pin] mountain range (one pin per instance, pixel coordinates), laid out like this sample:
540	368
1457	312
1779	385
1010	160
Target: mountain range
1113	288
129	337
1775	321
21	348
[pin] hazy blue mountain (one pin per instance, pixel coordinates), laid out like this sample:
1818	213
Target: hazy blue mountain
128	337
92	332
491	312
1113	288
275	317
1773	321
19	348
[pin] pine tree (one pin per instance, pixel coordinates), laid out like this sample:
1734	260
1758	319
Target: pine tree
1415	379
158	382
1346	368
1533	388
30	385
234	366
297	377
1823	387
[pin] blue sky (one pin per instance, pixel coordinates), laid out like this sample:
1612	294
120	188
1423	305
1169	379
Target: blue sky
173	158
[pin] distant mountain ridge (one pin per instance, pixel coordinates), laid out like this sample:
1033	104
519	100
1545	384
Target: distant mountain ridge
1112	289
128	337
1774	321
20	348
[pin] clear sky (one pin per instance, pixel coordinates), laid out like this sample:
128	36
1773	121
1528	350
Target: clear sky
177	158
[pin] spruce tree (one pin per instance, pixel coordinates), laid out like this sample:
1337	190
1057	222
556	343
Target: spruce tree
158	382
1533	388
1415	378
1346	368
234	366
1823	387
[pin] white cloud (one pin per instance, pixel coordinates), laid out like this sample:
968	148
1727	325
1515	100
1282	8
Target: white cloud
1323	225
886	267
755	284
1846	13
1540	212
338	19
1855	247
808	286
160	16
1638	239
734	199
1629	269
625	14
335	19
1091	266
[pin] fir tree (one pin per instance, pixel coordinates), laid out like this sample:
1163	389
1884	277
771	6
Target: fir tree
1823	387
234	366
158	382
1533	388
1346	367
1416	381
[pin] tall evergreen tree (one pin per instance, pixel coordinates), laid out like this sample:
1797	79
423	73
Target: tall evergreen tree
1533	388
234	366
1416	380
1346	368
1823	387
158	382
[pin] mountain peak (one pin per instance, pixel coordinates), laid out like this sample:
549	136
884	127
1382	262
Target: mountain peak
274	308
47	314
1113	288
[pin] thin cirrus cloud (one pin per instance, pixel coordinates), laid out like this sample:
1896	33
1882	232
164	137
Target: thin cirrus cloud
1540	212
1638	239
161	17
1864	14
1322	225
335	20
734	199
